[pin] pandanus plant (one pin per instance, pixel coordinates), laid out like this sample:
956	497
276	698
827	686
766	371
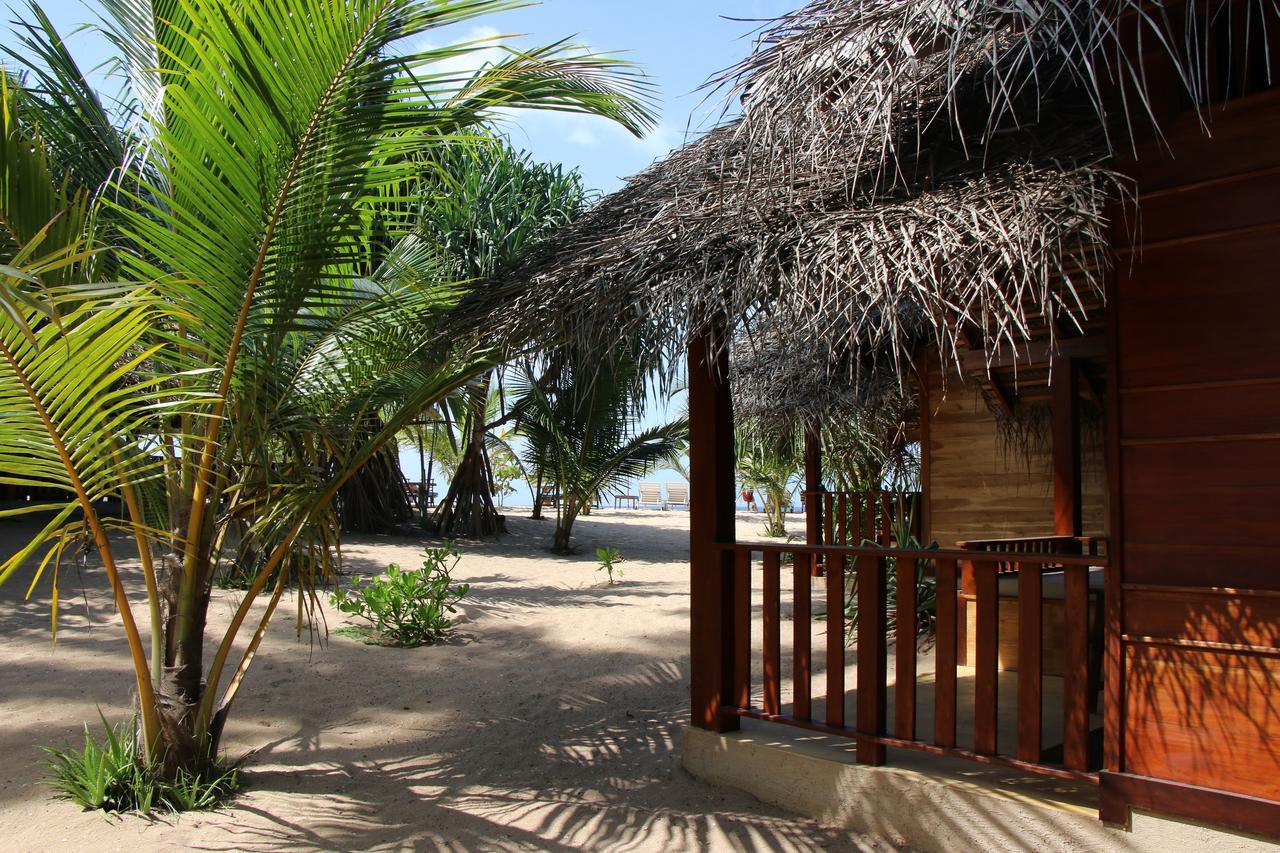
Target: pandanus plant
206	330
495	205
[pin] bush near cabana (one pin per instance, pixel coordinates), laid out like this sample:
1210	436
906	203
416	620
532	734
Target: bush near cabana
404	607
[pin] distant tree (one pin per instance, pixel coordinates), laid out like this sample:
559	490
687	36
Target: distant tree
493	205
582	433
769	460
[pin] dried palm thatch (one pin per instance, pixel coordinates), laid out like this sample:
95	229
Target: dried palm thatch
901	170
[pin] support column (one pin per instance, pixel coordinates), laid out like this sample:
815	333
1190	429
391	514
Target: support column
1068	503
719	598
815	494
813	487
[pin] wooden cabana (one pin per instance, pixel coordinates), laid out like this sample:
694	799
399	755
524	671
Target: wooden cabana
1056	223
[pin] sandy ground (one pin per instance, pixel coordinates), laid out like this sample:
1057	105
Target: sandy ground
550	722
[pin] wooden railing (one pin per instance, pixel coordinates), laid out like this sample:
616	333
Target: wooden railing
1092	546
851	518
868	574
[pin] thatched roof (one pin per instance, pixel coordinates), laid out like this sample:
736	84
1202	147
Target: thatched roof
901	170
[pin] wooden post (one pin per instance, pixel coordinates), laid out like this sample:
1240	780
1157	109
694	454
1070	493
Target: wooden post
986	704
813	485
1068	517
716	628
815	498
872	660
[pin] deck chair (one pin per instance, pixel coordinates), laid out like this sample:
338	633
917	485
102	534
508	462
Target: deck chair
677	495
651	495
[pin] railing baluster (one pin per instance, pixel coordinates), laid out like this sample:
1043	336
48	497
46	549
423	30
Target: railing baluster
742	627
985	700
1075	677
904	688
1030	699
772	634
872	662
871	729
944	689
800	643
836	568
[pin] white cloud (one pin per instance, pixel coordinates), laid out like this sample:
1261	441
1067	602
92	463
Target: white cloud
583	135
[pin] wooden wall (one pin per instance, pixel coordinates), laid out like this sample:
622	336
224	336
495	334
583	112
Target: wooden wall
1196	367
980	489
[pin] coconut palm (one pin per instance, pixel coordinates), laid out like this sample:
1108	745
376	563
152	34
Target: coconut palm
869	450
582	433
279	321
769	460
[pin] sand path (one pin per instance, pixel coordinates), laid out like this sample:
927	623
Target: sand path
551	722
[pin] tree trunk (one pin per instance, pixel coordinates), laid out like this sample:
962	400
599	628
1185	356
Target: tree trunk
422	483
181	684
468	511
374	500
560	544
537	499
564	525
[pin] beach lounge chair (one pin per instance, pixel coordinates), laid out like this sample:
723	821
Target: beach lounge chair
677	495
651	495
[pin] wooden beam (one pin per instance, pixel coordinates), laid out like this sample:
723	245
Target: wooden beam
999	395
1068	519
719	621
1036	353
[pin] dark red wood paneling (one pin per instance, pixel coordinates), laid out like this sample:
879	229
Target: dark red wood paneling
1201	312
1196	375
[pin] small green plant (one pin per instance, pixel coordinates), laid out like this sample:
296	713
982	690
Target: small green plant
926	587
109	776
406	608
609	559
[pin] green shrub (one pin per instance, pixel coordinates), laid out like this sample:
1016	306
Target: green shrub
407	608
926	587
110	777
609	559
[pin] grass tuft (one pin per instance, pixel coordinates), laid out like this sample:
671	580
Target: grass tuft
109	776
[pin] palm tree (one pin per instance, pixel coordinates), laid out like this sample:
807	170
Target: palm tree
582	433
769	460
494	205
867	450
226	390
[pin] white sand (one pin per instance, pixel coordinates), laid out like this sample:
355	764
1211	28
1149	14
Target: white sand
550	722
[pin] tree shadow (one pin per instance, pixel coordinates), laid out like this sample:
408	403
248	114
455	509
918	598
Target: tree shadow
557	726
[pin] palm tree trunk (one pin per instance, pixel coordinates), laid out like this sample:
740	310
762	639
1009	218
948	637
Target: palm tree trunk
422	483
570	507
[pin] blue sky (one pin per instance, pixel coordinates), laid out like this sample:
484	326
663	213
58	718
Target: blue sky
680	44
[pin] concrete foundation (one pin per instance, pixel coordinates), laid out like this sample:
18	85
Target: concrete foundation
931	803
